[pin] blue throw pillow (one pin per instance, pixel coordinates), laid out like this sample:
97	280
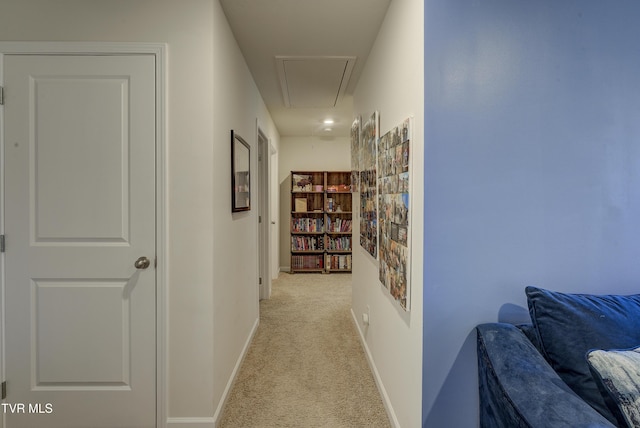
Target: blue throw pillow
569	325
617	374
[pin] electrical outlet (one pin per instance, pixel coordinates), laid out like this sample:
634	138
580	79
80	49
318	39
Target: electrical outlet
366	316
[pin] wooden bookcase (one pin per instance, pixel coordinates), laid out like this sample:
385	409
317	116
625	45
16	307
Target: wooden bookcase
321	221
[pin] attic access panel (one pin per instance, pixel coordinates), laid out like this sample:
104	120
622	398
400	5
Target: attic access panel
314	81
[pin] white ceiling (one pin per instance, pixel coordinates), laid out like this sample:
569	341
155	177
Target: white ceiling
299	49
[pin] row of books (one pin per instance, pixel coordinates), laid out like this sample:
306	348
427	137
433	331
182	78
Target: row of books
342	243
339	262
339	225
307	224
307	243
307	262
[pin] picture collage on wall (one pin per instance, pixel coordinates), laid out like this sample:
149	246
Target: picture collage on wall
381	166
368	185
393	217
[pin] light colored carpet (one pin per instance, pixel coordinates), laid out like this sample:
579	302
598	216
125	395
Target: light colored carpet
306	366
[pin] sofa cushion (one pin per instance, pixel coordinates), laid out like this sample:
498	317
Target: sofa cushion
617	374
569	325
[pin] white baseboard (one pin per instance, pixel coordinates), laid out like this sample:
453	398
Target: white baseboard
191	423
286	269
393	419
225	395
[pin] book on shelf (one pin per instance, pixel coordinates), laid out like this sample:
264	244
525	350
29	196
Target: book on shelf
311	225
301	205
330	204
307	243
339	262
342	243
307	262
339	225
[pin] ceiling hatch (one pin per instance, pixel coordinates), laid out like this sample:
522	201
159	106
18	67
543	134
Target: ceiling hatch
318	81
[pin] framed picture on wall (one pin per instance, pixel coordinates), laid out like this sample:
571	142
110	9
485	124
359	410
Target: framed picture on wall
240	174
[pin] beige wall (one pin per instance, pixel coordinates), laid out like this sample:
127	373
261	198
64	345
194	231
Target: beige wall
212	296
237	106
392	83
310	154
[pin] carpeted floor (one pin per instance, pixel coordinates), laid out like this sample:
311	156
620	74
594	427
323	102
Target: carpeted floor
306	367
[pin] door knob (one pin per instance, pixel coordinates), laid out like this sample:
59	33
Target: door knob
142	263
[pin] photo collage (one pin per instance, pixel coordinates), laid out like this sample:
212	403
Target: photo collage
393	218
381	166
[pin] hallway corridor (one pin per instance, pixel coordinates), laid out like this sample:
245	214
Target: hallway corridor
306	366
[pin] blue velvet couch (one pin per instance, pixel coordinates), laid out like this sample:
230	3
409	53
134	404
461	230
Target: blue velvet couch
536	375
518	388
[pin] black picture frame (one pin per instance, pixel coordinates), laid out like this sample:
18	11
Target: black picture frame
240	174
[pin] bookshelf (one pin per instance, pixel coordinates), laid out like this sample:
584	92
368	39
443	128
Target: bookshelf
321	221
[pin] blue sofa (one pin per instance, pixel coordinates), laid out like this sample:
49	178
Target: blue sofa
536	375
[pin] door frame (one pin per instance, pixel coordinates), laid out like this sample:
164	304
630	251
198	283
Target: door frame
159	51
264	215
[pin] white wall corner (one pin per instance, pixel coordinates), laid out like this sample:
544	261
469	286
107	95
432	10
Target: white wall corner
393	419
199	422
227	391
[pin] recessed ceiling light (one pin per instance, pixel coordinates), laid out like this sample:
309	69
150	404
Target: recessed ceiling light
328	121
327	129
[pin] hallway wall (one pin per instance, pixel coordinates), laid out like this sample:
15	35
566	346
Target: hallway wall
238	106
212	256
392	83
532	170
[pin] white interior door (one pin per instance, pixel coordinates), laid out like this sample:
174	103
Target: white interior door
79	212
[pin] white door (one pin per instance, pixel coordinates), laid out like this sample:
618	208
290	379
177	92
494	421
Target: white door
80	211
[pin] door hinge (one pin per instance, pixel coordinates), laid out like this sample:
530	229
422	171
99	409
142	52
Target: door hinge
259	281
259	219
4	389
1	243
1	95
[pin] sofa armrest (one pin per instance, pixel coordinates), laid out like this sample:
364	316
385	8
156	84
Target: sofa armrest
518	388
